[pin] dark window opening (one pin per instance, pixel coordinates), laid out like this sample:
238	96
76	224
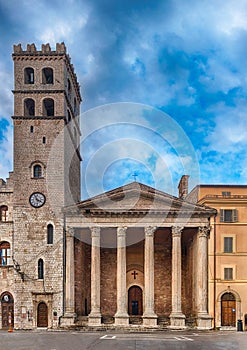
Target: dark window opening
4	213
44	140
31	128
4	254
37	171
228	244
40	269
48	107
228	273
50	234
29	75
29	107
47	76
225	193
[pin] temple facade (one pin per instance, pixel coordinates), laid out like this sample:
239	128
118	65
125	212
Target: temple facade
131	256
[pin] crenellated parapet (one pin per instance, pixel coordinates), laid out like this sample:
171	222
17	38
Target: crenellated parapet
45	49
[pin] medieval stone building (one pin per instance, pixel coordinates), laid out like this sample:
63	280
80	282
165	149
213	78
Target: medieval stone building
131	255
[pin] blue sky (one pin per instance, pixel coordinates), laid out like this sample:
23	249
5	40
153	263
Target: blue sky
186	59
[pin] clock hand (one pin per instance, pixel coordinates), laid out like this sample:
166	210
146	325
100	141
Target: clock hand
37	198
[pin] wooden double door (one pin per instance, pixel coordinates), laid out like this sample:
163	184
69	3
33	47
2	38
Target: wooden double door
7	305
228	310
135	307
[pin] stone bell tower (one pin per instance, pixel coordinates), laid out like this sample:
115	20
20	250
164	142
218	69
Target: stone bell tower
46	177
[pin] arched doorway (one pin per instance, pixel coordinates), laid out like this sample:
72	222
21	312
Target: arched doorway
135	301
42	315
228	310
7	303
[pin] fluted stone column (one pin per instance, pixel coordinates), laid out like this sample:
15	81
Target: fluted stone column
94	318
69	314
204	321
177	318
121	317
149	317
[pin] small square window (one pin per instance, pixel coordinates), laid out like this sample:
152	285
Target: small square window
228	273
228	244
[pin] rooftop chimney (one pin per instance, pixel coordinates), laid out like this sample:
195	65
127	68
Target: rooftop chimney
183	186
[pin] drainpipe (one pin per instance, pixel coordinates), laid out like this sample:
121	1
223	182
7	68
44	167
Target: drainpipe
64	261
215	271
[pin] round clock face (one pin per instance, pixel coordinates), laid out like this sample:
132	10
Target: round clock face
6	298
37	199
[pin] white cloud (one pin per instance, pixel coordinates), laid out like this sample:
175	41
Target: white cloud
229	133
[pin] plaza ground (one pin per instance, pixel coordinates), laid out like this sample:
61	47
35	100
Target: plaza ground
79	340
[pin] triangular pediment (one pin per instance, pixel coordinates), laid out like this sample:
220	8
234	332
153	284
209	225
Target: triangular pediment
137	197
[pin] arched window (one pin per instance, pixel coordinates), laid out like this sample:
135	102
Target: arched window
4	213
29	75
37	171
40	269
48	107
29	107
50	234
47	76
4	253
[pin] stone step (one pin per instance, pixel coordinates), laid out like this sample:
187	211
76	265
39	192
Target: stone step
82	321
163	321
107	320
135	320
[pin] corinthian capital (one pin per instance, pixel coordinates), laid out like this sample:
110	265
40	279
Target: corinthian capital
121	231
70	232
95	231
176	231
204	231
149	231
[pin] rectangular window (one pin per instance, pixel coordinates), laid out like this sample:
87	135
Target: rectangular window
226	193
228	273
228	215
228	244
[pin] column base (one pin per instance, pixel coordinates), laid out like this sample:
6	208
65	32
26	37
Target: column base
204	321
67	320
94	320
149	320
177	321
121	319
